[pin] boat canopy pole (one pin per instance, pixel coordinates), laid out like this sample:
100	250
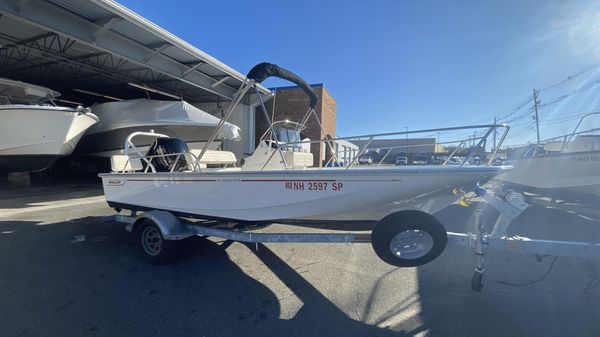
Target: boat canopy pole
262	71
479	145
312	112
246	85
257	74
270	123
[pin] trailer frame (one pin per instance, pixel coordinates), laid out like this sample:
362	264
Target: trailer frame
510	205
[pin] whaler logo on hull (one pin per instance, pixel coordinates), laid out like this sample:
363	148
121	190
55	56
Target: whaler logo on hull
116	182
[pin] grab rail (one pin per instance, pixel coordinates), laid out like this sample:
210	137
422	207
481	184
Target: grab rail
566	140
367	139
489	129
148	160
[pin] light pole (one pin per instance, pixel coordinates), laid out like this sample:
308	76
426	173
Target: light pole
406	148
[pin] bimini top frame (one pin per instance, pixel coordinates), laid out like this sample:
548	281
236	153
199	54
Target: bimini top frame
265	70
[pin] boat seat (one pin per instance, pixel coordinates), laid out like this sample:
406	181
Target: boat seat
299	159
214	157
121	162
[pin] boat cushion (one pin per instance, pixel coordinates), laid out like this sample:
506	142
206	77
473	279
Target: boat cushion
214	157
121	162
299	159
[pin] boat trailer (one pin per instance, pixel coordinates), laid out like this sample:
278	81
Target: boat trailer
170	228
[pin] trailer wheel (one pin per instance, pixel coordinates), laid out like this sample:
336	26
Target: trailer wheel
151	244
409	238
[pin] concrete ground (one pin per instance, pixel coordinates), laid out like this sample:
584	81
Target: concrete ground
63	272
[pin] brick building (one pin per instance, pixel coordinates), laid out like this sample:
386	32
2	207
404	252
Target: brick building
291	103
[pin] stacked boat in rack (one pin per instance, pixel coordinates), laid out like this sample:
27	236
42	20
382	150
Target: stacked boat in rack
34	132
176	118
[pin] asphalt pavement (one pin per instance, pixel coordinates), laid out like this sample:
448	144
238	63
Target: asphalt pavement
65	272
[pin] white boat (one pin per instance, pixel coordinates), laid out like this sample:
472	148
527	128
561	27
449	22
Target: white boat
563	169
278	182
34	132
294	195
176	118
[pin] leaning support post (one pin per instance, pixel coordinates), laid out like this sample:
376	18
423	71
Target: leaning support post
311	112
270	124
478	146
246	85
477	280
497	146
460	145
362	150
323	135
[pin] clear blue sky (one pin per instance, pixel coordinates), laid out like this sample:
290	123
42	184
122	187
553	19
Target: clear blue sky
416	64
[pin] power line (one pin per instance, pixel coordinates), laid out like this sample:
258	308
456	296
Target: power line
568	119
517	108
555	100
521	131
521	116
573	92
534	99
571	77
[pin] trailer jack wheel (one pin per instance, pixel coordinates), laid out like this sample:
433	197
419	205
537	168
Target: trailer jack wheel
477	281
409	238
151	244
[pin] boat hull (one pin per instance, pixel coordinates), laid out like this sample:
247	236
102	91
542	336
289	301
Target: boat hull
329	194
560	175
33	137
109	143
177	119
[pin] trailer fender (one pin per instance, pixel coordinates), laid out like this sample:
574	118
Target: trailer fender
169	225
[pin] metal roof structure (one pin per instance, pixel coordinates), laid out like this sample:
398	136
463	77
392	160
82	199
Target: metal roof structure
100	47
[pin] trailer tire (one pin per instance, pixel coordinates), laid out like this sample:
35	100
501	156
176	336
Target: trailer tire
150	243
409	238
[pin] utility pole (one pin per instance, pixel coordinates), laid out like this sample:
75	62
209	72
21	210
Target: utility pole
406	148
537	120
495	132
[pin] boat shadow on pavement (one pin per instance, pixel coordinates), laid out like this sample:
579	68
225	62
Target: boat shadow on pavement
83	278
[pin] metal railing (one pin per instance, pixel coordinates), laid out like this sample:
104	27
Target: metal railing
531	149
478	143
194	161
367	140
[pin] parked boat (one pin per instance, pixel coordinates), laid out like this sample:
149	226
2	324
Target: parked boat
177	118
564	167
34	132
277	183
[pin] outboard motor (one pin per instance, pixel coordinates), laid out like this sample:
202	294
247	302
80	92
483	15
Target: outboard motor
164	146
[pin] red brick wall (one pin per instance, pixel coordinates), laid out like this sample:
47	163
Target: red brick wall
292	104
